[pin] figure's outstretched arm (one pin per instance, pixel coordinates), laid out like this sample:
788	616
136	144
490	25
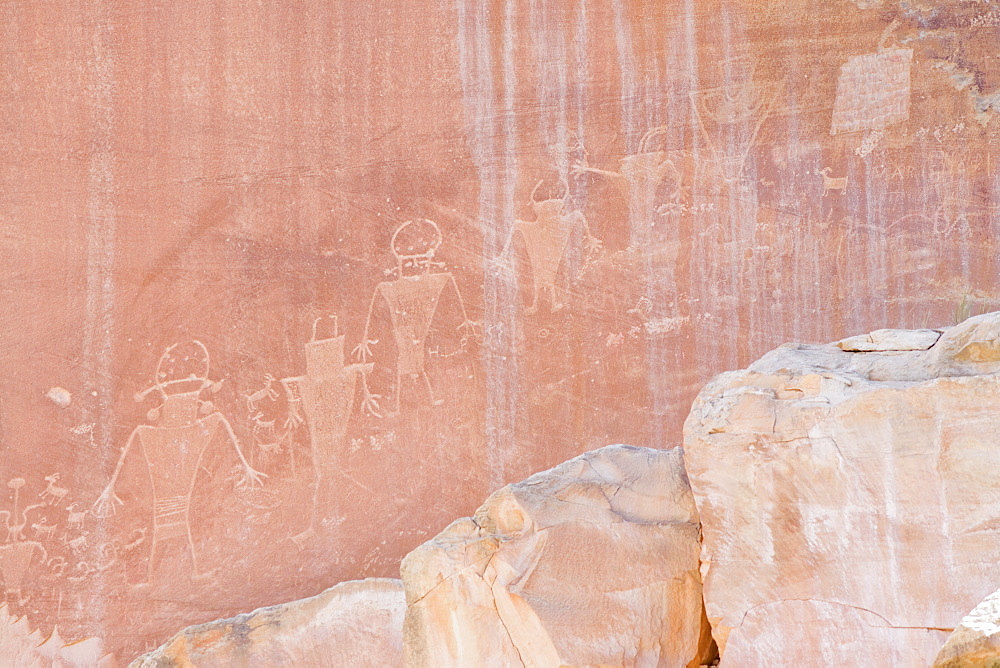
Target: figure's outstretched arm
104	506
363	350
468	327
253	477
581	168
369	401
592	243
294	417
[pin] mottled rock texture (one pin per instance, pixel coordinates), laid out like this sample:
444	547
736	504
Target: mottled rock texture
355	624
23	647
594	562
976	641
849	500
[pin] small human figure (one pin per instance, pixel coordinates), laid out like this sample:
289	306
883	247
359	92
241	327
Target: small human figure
412	299
546	239
184	426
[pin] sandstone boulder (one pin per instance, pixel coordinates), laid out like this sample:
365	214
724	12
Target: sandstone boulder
594	562
976	641
850	501
24	647
353	624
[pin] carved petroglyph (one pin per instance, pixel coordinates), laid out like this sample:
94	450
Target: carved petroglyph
873	90
326	395
546	240
730	116
832	183
53	495
173	447
640	175
17	553
412	300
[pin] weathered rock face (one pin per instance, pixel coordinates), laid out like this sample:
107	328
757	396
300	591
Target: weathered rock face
355	624
849	500
24	647
975	643
594	562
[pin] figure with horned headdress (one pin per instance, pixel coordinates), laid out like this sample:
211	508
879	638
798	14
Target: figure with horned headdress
184	426
412	299
546	239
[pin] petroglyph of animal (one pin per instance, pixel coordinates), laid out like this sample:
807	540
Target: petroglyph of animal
43	528
79	544
53	494
75	519
831	183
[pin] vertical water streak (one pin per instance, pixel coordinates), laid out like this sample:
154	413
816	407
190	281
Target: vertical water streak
99	321
495	162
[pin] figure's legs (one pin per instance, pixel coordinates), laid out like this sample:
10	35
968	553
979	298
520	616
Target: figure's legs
194	559
555	295
430	390
533	309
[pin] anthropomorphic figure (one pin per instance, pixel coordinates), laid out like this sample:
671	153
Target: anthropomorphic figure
412	299
546	239
183	427
640	176
326	394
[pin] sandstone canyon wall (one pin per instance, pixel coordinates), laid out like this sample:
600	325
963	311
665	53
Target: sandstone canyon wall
208	273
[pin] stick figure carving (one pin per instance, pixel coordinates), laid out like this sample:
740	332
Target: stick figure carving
326	393
412	299
641	174
546	239
173	447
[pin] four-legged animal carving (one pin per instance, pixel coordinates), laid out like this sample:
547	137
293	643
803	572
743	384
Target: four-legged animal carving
53	495
830	183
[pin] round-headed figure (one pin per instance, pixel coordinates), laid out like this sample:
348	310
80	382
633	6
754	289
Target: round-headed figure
414	245
183	427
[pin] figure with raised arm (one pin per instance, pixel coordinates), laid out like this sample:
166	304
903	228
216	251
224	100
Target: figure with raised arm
183	427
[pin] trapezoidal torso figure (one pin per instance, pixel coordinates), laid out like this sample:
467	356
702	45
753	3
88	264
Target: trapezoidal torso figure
326	394
546	239
412	300
173	447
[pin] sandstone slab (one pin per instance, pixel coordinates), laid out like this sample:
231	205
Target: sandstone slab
355	624
594	562
850	501
975	643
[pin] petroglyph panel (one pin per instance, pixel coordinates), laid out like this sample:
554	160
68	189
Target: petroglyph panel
873	91
286	288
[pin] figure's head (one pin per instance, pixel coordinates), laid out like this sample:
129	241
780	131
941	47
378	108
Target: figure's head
181	377
552	207
414	244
